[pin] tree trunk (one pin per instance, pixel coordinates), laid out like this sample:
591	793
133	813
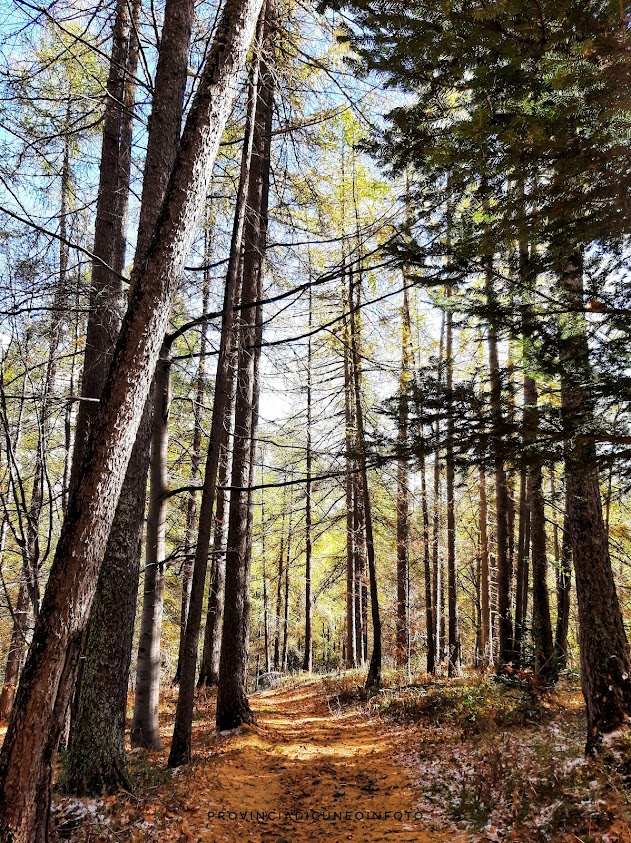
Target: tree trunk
427	568
209	668
196	455
452	582
50	670
541	624
403	494
504	572
99	722
563	558
373	679
604	650
486	629
181	744
438	579
352	652
307	664
145	727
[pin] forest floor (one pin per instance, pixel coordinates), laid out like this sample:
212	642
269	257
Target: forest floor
449	761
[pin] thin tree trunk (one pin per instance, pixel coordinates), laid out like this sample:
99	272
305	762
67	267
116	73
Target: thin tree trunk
145	727
563	558
352	653
50	670
307	664
504	572
403	494
452	574
438	579
541	624
373	679
427	568
232	704
196	456
486	629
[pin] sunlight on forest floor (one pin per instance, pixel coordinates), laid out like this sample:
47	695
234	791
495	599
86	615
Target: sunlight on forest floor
428	763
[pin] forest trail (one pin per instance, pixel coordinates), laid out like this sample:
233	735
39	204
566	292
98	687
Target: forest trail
322	774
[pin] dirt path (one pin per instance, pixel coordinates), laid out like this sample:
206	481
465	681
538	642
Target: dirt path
302	773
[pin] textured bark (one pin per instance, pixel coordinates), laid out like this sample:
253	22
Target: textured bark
430	625
106	288
486	629
307	663
181	744
563	558
604	649
279	597
403	495
454	655
438	579
352	655
373	679
19	638
50	670
523	555
98	725
504	571
196	457
145	727
209	668
541	623
232	704
286	597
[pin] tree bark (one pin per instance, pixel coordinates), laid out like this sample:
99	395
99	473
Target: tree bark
504	572
604	649
232	704
145	727
98	725
403	494
181	744
307	664
373	679
454	656
196	455
50	670
486	629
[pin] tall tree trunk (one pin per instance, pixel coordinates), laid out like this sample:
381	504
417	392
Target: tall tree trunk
50	670
541	623
504	572
268	665
286	599
563	559
279	598
486	629
454	656
97	754
181	744
196	457
604	649
145	727
523	555
209	668
352	653
307	664
373	679
427	569
403	494
232	704
438	578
